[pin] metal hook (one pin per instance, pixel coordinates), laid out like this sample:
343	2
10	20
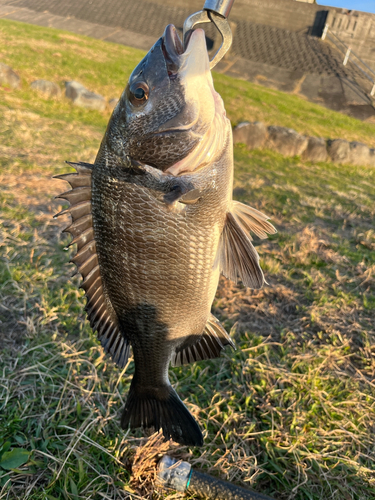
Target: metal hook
221	23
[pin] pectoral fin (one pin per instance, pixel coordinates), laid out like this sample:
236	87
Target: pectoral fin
191	197
252	220
237	256
183	193
174	189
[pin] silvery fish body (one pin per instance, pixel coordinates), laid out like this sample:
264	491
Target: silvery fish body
155	225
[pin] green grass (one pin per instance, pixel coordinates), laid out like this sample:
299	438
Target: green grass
105	67
291	412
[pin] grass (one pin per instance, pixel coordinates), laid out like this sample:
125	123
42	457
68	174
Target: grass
105	67
291	412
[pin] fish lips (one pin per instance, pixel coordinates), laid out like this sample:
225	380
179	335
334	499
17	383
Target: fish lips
172	50
175	59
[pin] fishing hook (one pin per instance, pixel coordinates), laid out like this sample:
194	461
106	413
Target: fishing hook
215	11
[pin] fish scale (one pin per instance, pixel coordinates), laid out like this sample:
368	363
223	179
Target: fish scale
155	225
168	277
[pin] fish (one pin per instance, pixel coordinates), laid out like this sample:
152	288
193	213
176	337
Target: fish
154	224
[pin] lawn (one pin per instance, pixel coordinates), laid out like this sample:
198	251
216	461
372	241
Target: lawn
291	412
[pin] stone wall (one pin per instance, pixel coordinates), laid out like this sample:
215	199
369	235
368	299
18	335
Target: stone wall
286	14
272	42
356	30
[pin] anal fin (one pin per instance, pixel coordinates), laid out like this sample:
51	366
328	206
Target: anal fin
209	346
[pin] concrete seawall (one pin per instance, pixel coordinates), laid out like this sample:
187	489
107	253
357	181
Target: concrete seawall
276	42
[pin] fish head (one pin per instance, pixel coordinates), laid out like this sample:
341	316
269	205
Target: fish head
167	106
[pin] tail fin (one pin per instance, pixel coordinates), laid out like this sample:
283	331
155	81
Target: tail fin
161	408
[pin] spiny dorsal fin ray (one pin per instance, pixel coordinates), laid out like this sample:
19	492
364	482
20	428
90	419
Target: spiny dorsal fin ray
100	316
91	302
79	226
76	195
77	211
209	345
90	279
95	307
91	283
83	238
85	253
75	180
81	167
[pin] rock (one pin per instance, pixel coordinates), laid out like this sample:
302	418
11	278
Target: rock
339	150
48	89
8	77
82	97
254	135
286	141
73	88
359	154
316	150
372	158
112	103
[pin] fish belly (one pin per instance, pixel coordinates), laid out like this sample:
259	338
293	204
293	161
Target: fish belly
157	265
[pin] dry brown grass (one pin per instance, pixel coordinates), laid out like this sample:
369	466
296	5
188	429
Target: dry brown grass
263	414
290	413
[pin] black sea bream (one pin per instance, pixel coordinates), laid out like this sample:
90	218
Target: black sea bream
155	225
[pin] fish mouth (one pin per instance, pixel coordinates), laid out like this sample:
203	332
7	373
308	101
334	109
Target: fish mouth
203	117
172	50
176	57
179	64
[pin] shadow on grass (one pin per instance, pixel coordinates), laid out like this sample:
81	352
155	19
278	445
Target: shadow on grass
289	413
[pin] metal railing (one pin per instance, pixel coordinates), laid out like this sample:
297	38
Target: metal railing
351	56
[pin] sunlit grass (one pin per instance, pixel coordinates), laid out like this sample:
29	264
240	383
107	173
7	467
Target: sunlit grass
105	67
291	412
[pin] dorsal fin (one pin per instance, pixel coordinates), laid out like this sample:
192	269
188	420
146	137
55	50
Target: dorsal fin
99	312
210	344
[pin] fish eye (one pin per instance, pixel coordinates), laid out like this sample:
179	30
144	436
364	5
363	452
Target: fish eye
138	93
